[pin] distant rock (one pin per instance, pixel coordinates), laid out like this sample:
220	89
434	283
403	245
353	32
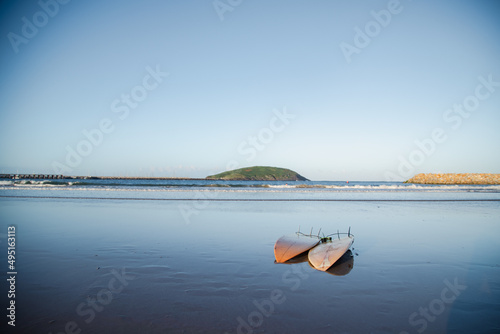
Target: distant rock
450	178
259	173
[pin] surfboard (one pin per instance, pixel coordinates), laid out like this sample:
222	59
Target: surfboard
324	255
289	246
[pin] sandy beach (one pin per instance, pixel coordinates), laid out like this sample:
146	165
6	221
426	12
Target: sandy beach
136	266
153	153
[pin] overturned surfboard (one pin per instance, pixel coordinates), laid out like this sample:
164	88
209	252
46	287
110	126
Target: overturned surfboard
289	246
324	255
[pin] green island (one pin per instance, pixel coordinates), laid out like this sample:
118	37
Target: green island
259	173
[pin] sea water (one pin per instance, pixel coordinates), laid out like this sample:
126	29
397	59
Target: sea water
252	190
196	256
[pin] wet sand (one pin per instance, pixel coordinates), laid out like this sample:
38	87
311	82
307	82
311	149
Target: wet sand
138	267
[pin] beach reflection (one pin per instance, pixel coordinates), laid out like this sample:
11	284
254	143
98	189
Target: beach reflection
297	259
342	267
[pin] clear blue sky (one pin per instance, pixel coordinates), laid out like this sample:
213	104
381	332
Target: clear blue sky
356	84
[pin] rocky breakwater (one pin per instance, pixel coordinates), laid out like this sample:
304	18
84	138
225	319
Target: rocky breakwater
450	178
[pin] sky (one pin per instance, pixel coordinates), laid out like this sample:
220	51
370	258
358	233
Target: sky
335	90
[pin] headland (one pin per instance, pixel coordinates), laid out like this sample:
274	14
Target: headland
259	173
455	178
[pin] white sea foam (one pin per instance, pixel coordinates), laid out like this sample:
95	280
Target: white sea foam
395	187
38	184
327	189
252	188
281	186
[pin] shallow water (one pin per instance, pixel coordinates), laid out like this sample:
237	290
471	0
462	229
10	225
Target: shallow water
152	266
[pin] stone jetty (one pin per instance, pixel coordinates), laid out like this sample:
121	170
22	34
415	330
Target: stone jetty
31	176
451	178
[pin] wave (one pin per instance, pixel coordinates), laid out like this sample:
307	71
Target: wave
6	183
400	187
121	185
43	183
243	186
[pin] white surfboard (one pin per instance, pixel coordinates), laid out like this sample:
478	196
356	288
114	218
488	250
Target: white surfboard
289	246
324	255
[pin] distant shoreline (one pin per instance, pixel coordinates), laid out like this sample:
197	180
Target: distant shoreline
132	178
422	178
66	177
62	177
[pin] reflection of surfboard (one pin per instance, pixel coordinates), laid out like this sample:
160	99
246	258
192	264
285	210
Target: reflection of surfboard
289	246
327	253
343	266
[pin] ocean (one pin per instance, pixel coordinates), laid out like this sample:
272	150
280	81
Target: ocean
241	190
196	256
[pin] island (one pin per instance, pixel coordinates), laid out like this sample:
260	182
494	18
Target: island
452	178
259	173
